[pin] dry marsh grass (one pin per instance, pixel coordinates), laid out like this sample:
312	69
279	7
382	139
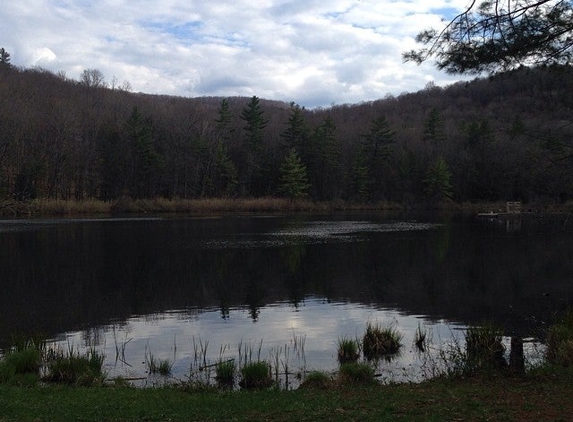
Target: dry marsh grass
63	207
268	204
208	205
127	205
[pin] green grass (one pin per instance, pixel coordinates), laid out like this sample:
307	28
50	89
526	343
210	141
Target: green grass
22	361
356	373
542	396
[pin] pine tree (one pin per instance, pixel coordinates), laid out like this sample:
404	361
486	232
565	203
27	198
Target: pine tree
437	184
225	177
361	177
324	159
146	161
498	35
224	115
4	58
293	180
297	133
434	128
255	122
375	152
252	165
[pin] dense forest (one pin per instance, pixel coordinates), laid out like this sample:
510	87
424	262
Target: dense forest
504	137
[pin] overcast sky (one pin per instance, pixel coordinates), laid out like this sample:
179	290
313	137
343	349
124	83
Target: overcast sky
312	52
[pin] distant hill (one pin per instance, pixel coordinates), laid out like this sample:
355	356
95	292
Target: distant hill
503	137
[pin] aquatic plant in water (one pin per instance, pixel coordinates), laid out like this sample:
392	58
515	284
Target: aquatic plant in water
348	350
380	341
256	375
73	368
484	348
560	342
420	339
225	372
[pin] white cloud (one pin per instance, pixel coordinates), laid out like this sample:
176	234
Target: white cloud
309	51
43	56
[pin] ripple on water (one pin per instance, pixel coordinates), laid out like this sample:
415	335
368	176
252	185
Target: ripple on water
317	232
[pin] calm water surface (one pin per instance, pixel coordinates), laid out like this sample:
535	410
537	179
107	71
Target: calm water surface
285	289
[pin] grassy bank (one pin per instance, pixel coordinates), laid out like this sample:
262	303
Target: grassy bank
534	397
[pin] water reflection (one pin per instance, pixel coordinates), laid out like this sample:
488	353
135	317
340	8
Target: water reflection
311	274
315	326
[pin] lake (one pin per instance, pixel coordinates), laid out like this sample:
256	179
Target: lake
283	288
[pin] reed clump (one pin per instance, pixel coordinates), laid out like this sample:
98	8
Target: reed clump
256	375
22	361
560	341
420	336
74	368
20	366
484	348
348	350
225	372
159	366
317	380
379	341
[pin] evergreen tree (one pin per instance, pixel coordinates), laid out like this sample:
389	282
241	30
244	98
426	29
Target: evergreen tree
225	177
437	184
224	115
146	161
499	35
297	133
252	165
375	151
325	166
482	169
255	122
293	180
4	58
362	179
434	128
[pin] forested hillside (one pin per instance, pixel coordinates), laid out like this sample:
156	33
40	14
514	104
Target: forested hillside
507	137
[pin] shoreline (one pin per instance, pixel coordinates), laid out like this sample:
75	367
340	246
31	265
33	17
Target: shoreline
126	205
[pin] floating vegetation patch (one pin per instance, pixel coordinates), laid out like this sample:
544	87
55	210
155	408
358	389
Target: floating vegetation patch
316	232
337	229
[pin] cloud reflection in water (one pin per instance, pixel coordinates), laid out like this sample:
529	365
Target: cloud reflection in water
177	335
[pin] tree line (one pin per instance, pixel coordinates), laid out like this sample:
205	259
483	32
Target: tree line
505	137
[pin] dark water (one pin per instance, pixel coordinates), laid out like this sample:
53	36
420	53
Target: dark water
173	286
